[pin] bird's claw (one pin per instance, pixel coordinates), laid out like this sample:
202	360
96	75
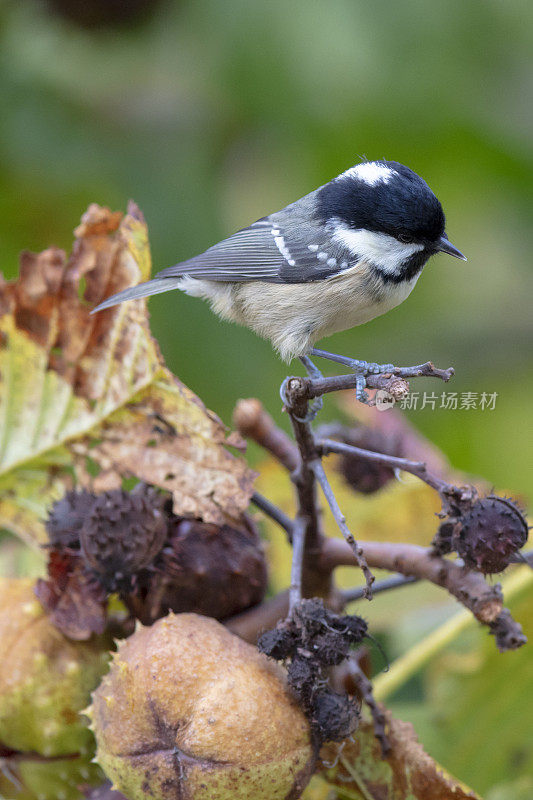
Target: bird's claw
360	386
315	406
362	369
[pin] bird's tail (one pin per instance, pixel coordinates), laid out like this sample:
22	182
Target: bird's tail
155	286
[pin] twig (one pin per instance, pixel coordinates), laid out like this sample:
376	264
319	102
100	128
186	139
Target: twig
340	519
303	476
253	422
378	717
251	623
274	513
315	387
298	548
460	494
467	586
394	582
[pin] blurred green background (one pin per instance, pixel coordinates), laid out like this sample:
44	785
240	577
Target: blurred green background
211	114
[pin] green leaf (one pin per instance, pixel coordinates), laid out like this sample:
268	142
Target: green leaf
476	715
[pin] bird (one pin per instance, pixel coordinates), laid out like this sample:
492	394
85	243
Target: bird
338	257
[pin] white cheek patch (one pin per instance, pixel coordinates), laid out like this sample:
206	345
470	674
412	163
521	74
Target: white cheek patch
370	172
382	250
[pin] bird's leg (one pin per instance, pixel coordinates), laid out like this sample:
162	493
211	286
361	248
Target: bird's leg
361	369
316	405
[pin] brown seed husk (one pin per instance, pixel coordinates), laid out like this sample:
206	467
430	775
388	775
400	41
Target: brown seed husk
189	710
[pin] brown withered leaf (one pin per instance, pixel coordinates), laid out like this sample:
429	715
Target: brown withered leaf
75	602
408	773
91	396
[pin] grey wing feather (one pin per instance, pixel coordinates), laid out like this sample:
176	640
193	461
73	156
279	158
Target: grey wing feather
155	286
250	254
261	252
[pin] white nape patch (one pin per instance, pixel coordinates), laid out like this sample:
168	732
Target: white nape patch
382	250
369	172
282	247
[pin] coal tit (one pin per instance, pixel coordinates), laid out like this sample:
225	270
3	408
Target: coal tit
338	257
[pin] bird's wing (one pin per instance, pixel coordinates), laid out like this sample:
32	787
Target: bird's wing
264	251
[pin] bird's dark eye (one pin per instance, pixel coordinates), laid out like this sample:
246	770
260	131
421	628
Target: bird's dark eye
405	238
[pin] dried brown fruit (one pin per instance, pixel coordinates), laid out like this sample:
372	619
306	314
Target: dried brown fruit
189	710
361	474
45	679
489	534
334	716
209	569
75	601
122	534
66	518
315	638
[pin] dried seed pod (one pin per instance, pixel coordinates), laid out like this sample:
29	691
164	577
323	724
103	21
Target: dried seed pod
189	710
66	518
489	534
335	716
304	675
330	648
123	533
45	679
361	474
279	643
208	569
352	627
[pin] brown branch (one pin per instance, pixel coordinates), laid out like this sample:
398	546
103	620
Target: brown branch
309	471
412	561
253	422
250	624
467	586
298	549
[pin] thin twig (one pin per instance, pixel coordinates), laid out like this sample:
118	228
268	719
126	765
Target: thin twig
319	386
274	513
394	582
298	548
417	468
364	687
340	519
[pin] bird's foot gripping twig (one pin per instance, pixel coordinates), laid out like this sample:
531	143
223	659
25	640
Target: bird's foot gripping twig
316	405
361	368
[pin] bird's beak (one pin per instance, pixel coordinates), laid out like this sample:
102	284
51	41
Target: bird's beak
445	246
